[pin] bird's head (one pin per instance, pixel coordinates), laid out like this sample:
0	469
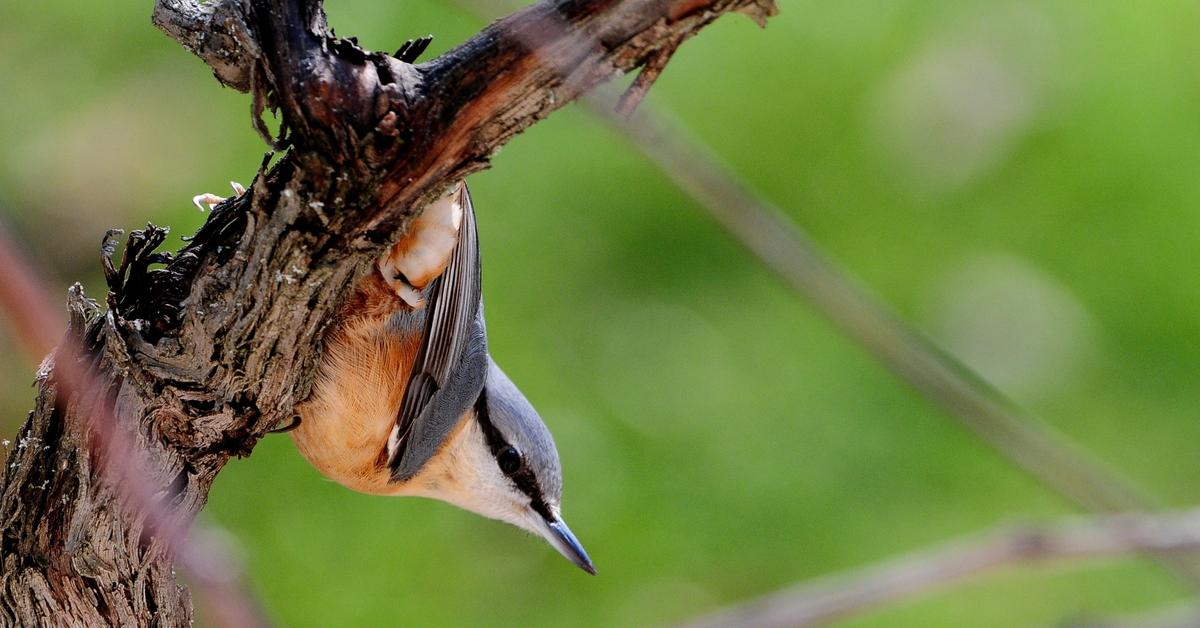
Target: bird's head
501	463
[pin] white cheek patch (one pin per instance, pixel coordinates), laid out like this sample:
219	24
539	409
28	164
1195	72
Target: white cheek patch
464	473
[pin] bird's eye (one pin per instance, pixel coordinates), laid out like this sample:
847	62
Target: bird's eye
509	460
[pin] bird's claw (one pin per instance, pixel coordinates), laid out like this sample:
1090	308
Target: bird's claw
425	251
212	200
295	423
400	285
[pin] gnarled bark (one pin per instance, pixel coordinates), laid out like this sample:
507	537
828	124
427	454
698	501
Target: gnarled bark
197	360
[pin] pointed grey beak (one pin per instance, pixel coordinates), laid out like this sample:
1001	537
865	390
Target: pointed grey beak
559	535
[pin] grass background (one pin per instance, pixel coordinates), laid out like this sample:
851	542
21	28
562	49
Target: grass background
1018	178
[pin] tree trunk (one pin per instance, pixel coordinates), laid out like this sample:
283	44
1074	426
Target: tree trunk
197	360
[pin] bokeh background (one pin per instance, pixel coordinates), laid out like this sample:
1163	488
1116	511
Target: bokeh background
1019	179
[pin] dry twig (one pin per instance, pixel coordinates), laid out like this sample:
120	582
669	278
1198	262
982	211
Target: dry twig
833	597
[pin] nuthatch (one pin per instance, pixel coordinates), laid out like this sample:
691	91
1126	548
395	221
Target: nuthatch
409	402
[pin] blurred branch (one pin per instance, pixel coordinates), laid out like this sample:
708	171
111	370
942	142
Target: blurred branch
1179	615
1032	445
834	597
788	252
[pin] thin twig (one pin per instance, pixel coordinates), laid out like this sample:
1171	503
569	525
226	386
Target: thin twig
788	252
833	597
1032	445
216	577
645	80
1177	615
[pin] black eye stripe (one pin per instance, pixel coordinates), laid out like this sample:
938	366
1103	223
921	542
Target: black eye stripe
523	477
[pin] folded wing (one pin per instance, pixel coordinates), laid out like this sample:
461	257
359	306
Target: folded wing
451	363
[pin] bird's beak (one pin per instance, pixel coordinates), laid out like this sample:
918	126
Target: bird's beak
559	535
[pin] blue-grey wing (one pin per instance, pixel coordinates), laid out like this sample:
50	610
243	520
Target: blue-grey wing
451	363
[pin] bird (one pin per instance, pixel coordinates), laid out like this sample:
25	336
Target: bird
407	400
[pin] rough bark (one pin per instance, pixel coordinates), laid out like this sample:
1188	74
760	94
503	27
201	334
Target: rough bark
199	358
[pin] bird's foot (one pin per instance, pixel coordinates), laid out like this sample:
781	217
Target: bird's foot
425	250
295	423
399	284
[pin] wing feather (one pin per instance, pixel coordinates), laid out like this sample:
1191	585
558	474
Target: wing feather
452	335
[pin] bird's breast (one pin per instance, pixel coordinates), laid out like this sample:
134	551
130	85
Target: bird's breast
366	362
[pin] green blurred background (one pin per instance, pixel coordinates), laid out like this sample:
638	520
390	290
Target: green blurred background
1018	178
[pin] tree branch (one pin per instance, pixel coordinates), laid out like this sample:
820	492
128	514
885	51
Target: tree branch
203	352
838	596
445	118
67	374
217	31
